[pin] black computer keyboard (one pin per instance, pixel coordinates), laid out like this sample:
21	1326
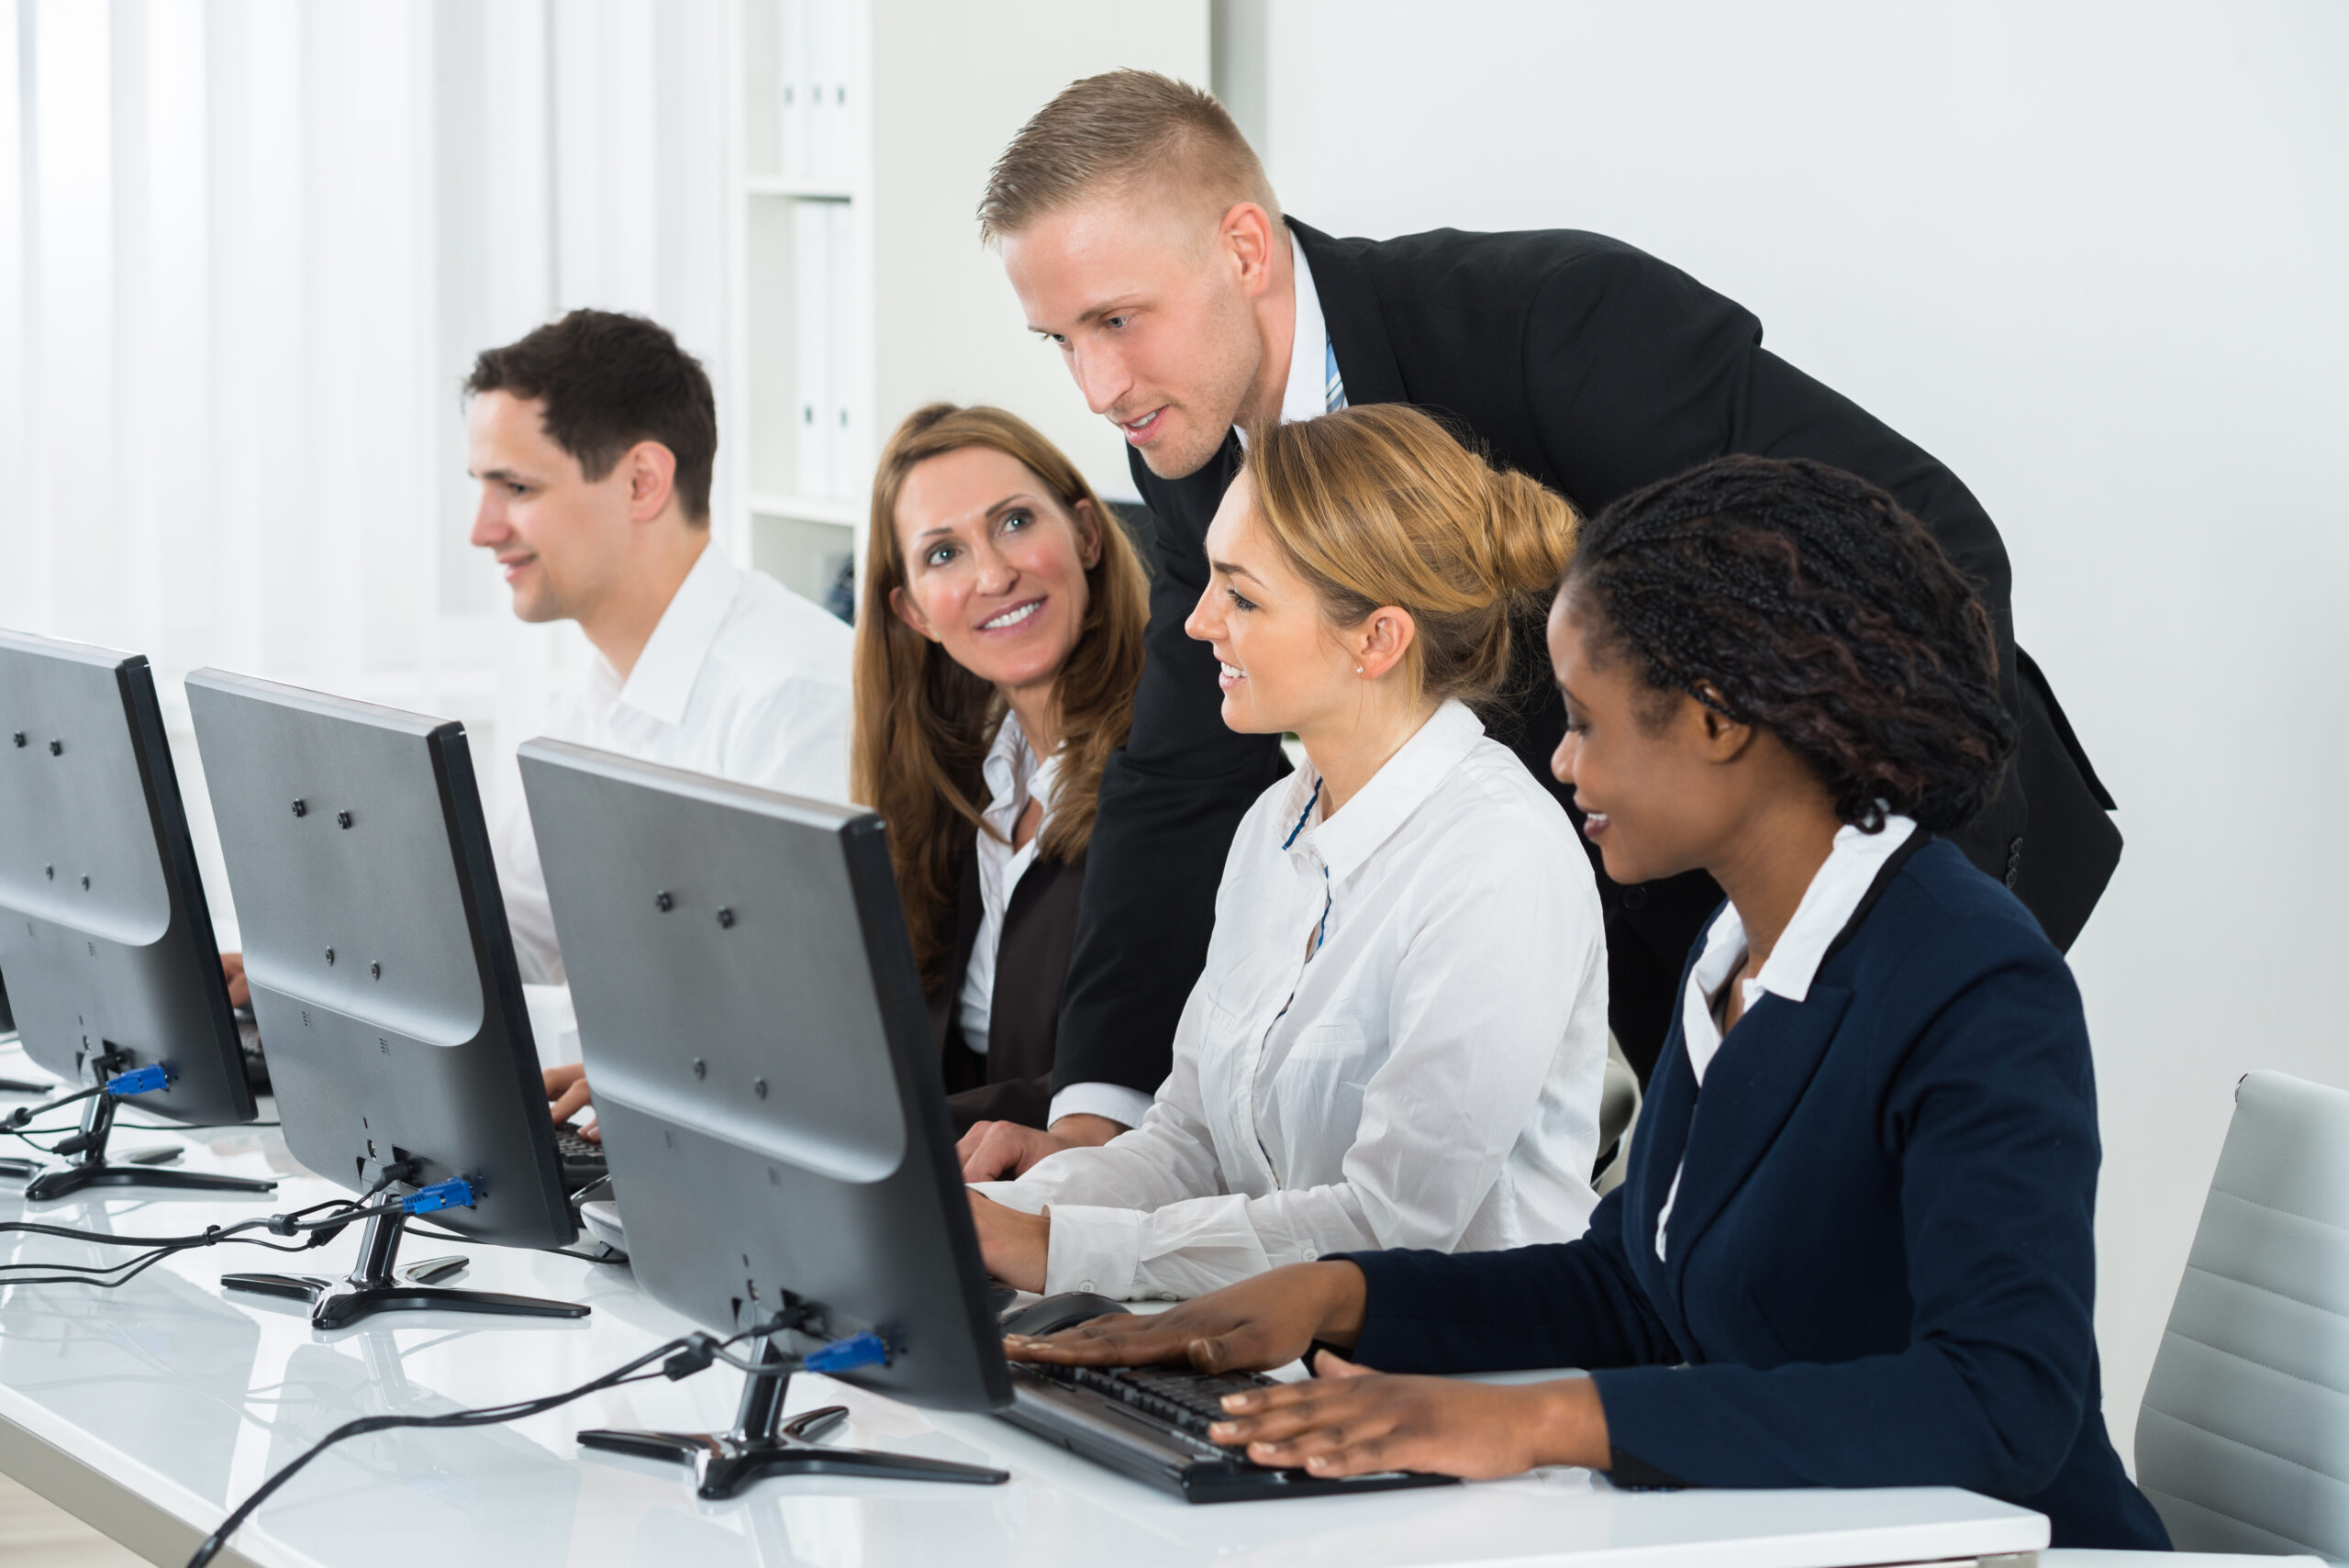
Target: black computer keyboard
249	1047
1151	1423
582	1159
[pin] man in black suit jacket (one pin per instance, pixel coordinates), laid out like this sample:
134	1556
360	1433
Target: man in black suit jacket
1141	235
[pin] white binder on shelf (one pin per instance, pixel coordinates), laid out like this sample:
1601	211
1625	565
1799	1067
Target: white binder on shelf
827	81
844	138
846	464
792	75
812	326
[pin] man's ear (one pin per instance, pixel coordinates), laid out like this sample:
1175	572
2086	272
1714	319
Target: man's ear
905	611
652	479
1088	534
1247	233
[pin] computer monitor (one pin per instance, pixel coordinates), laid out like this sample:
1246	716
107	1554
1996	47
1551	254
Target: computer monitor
382	977
753	1025
104	928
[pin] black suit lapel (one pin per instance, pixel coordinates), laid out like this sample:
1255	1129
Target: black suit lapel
968	912
1656	1154
1756	1080
1751	1088
1350	307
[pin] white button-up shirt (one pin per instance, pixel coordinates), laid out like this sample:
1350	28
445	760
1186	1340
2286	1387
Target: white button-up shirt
1827	907
743	678
1428	1077
1014	777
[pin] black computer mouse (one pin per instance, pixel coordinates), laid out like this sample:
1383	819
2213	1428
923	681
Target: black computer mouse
1055	1313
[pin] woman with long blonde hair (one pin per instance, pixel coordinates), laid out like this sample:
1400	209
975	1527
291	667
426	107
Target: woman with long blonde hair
998	643
1399	1036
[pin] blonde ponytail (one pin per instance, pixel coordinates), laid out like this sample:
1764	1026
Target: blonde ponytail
1380	505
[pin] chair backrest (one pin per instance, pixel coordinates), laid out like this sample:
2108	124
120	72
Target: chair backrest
1619	1111
2243	1442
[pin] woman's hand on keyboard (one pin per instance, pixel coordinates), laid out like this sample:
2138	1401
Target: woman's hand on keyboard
1264	1323
1352	1421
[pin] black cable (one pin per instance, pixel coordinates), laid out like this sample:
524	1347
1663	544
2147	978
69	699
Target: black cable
23	1114
684	1356
113	1276
284	1224
29	1133
183	1126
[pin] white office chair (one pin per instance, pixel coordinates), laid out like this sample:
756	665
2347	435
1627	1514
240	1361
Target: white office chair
1619	1114
2243	1441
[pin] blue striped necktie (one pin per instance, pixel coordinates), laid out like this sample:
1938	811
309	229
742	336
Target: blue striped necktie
1333	386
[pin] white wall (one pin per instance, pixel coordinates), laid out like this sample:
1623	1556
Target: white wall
951	83
2092	256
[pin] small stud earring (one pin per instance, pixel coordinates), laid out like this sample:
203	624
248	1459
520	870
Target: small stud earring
1357	669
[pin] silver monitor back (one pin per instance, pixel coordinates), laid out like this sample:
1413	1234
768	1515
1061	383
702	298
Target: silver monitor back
383	973
755	1030
103	930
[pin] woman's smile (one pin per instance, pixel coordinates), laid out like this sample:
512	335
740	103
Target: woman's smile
1011	619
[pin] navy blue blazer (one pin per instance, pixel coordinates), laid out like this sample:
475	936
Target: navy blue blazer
1881	1259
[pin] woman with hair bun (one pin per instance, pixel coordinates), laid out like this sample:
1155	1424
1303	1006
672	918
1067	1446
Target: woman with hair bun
1400	1033
1855	1246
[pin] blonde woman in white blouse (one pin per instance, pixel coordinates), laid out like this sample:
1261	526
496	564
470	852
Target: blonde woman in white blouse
1400	1034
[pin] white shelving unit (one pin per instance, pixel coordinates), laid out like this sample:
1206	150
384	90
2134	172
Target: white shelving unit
800	242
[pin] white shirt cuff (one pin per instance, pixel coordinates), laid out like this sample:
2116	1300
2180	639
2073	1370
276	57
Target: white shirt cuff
1123	1106
1095	1249
1011	1194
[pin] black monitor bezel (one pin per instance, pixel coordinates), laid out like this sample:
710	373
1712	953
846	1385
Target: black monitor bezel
209	1086
928	1165
547	1220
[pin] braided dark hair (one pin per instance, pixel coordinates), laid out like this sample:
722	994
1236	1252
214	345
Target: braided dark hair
1800	599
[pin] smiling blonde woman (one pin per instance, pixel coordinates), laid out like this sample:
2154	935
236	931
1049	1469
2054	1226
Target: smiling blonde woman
1400	1033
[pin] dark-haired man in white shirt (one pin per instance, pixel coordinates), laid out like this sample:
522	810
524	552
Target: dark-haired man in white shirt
594	440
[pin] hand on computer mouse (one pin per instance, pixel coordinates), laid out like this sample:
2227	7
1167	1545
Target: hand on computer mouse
567	1089
232	968
1257	1324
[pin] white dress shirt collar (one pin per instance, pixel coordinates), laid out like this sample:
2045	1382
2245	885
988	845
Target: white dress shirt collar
1827	904
1014	777
1841	881
1307	394
662	681
1343	842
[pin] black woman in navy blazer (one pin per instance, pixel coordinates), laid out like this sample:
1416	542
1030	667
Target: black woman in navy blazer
1871	1137
1881	1261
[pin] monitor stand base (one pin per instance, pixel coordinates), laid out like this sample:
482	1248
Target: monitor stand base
91	1168
764	1444
373	1288
64	1180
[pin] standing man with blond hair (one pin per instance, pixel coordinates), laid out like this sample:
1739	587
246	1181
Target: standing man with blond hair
1140	232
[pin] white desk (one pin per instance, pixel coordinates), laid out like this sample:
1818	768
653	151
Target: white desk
150	1410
